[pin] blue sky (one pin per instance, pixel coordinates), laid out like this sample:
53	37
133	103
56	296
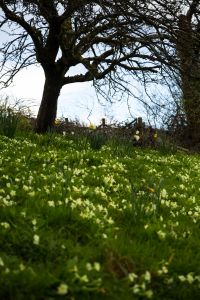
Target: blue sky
76	100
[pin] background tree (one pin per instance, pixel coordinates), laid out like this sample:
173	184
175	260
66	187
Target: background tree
178	29
188	51
109	39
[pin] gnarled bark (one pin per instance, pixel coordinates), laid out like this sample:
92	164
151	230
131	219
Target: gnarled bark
48	107
190	76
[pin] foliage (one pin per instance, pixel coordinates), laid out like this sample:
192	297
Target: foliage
8	120
107	224
96	139
14	119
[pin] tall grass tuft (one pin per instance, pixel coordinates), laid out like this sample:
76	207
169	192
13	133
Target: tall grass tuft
14	118
8	120
96	139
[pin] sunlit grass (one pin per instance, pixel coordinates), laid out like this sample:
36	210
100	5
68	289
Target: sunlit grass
108	222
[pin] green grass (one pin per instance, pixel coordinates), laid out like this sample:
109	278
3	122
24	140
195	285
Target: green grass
108	222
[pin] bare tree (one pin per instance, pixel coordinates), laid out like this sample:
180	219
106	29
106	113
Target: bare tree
178	32
110	39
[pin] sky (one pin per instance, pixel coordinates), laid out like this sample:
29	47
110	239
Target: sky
76	101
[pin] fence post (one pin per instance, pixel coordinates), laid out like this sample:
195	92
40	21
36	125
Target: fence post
103	122
140	122
140	125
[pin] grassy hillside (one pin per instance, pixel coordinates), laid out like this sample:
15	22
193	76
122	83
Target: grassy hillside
115	223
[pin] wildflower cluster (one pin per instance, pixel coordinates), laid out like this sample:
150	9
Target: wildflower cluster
76	221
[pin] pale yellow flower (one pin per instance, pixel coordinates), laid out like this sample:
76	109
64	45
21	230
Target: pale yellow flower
149	294
155	135
57	122
152	190
31	194
13	193
89	266
1	262
6	225
84	278
25	188
190	278
62	289
36	239
163	193
161	234
147	276
136	137
51	203
132	277
34	221
22	267
181	278
92	126
97	266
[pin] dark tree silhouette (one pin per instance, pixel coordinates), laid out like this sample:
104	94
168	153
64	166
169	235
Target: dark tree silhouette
109	38
178	26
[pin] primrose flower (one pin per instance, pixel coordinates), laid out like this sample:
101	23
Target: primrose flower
136	289
163	193
161	234
36	239
22	267
84	278
181	278
97	266
104	235
34	222
132	277
89	266
190	278
92	126
147	276
151	190
51	203
31	194
1	262
6	225
57	122
163	270
62	289
25	188
149	294
155	135
13	193
136	137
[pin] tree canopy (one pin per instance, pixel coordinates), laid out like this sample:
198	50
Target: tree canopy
180	22
107	38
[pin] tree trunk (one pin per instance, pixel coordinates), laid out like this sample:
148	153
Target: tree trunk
48	107
190	76
191	103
